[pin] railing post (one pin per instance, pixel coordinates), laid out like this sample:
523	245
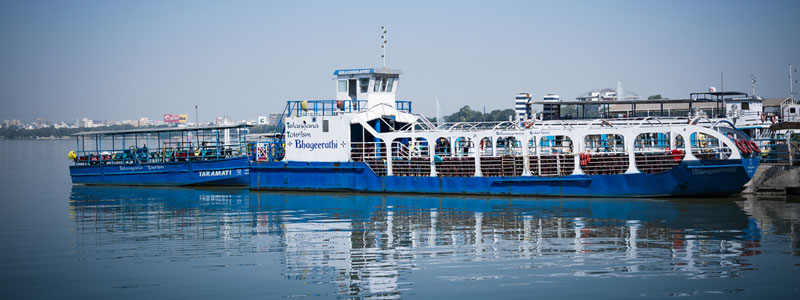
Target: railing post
388	159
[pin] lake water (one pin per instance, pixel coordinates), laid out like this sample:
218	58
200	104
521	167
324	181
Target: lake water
61	241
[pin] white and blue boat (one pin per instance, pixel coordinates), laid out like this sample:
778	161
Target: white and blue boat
367	141
162	157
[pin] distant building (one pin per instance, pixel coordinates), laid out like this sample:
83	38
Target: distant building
521	106
144	122
85	123
262	120
224	120
538	109
273	119
551	111
12	123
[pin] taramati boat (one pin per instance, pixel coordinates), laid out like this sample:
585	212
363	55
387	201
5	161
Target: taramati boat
166	156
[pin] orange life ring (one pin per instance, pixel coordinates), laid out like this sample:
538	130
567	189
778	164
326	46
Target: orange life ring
774	119
528	124
763	118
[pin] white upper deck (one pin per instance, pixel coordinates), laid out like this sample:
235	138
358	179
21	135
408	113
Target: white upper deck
375	85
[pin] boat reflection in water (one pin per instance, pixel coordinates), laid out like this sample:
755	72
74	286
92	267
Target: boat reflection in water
357	245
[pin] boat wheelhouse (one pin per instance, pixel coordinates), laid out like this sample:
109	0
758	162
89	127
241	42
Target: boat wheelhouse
213	155
378	145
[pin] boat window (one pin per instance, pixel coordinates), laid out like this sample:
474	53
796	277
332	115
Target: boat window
410	157
653	153
324	125
383	84
464	146
605	155
745	105
707	147
679	143
604	143
364	83
389	87
508	145
532	146
404	148
442	147
651	142
342	86
555	158
376	86
486	146
555	144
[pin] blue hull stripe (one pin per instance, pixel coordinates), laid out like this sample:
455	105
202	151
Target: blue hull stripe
232	171
695	178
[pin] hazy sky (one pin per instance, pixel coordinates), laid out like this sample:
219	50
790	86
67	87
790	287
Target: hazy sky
129	59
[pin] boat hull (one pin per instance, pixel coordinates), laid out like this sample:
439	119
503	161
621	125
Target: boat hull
690	178
228	172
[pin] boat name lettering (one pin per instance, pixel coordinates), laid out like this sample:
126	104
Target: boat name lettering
299	134
140	168
301	126
540	132
215	173
509	133
300	144
132	168
713	171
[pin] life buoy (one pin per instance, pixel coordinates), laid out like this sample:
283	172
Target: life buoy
743	147
753	146
677	155
528	124
763	118
774	119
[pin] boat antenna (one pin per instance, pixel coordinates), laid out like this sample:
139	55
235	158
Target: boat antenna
753	83
791	83
196	117
383	45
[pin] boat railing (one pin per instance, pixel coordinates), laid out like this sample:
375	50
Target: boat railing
169	151
268	148
371	153
779	151
299	108
411	160
571	124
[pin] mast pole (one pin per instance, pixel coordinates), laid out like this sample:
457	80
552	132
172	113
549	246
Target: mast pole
383	45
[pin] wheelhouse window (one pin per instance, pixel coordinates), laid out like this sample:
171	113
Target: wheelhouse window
376	87
343	86
389	85
383	84
364	84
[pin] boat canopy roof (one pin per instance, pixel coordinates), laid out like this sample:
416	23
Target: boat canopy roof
642	101
167	129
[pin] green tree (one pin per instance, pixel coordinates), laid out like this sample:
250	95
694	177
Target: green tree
654	97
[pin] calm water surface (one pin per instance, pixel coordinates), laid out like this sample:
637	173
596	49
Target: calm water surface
64	241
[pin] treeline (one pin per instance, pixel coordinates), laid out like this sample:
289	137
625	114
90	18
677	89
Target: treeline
467	114
50	132
261	129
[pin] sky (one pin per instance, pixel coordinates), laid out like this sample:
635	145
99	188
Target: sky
117	60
